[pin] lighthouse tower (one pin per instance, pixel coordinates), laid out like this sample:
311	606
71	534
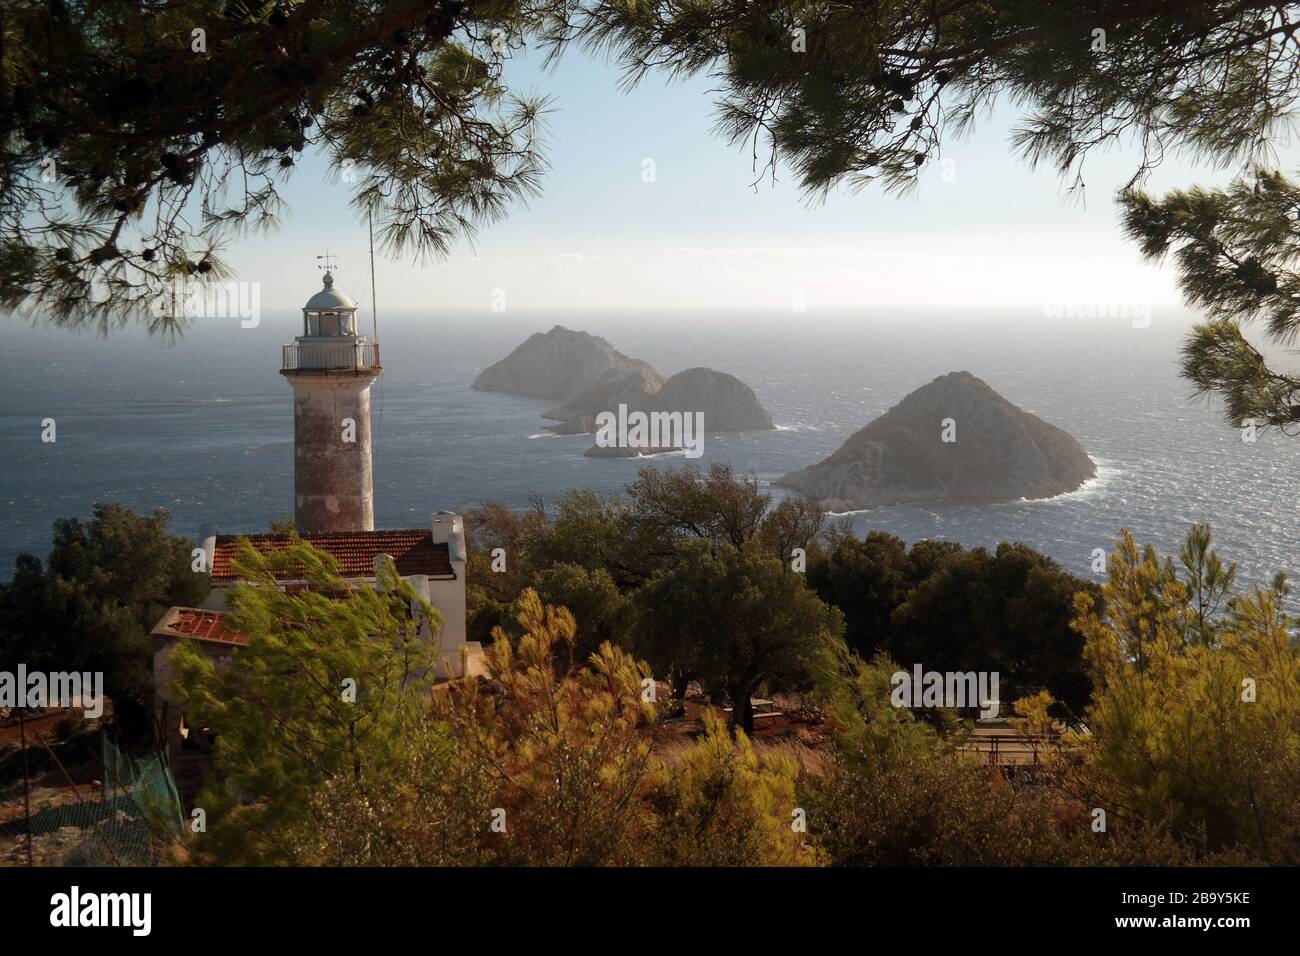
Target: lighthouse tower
331	369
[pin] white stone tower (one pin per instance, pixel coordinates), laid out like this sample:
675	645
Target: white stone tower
331	369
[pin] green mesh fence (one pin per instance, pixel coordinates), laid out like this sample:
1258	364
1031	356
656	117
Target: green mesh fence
127	822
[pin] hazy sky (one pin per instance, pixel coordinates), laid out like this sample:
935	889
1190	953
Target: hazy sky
983	229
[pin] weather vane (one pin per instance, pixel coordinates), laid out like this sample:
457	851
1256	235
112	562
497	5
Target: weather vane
329	265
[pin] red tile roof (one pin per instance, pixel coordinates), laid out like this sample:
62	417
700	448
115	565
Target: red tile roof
202	625
412	550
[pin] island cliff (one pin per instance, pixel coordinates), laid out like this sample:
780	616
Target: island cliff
589	376
997	452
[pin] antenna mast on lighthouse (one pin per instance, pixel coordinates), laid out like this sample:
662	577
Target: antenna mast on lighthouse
374	309
374	314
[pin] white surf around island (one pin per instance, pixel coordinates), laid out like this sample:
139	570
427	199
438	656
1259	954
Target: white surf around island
1107	473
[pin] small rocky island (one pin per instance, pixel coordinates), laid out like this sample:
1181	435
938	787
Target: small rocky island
588	376
995	452
558	365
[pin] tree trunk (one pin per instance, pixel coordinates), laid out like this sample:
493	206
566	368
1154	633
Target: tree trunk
680	680
742	711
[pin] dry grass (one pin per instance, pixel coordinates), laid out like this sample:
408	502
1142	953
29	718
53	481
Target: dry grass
672	750
811	760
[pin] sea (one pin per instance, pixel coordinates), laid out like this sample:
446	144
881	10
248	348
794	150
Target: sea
203	426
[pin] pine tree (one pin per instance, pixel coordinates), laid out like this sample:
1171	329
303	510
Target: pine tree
552	752
1236	250
1196	739
332	682
866	92
725	805
136	137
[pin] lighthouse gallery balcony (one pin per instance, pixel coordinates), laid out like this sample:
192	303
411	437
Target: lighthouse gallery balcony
326	356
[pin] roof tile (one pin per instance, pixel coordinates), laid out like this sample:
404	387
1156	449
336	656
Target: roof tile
412	550
199	624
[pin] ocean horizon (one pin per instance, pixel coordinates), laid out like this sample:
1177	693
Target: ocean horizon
204	427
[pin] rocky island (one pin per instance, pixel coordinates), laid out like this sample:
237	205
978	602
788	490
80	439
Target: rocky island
589	376
955	439
558	365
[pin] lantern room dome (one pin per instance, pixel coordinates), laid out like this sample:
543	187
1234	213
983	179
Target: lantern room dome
330	299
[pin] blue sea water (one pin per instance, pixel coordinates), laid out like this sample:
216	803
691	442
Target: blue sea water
204	427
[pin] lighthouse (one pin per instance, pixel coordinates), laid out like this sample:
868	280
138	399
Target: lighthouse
331	368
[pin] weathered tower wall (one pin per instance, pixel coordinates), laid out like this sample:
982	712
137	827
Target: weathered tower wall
333	480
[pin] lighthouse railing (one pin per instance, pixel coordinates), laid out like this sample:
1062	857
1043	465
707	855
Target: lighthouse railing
330	356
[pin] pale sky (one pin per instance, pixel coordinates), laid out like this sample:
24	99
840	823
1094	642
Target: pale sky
983	229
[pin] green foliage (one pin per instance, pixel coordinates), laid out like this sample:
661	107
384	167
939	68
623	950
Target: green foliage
595	532
921	811
870	732
541	765
1192	743
105	584
1033	714
404	817
168	141
635	536
544	764
956	610
484	616
724	805
1199	738
490	586
332	681
682	503
1209	582
604	557
866	578
795	522
287	524
878	89
601	610
737	620
663	548
719	507
1236	250
896	794
556	749
1008	612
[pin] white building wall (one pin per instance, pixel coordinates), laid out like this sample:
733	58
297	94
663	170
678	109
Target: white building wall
449	596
